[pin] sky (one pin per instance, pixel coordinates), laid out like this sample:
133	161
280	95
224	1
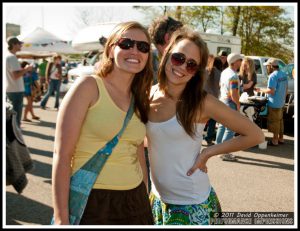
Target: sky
63	19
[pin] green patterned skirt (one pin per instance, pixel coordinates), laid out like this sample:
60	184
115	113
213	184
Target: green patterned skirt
199	214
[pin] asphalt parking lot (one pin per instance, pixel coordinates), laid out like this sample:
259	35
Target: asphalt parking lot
261	180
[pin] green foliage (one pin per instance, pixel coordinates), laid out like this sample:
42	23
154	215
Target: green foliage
263	30
200	17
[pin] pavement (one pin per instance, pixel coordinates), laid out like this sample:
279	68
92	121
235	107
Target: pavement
262	180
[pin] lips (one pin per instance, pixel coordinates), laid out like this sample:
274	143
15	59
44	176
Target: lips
177	73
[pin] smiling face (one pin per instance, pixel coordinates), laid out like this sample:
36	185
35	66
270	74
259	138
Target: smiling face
130	60
178	75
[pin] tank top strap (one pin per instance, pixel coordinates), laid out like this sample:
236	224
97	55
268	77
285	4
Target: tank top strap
100	85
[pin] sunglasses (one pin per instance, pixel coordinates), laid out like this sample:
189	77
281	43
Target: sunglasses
178	59
127	43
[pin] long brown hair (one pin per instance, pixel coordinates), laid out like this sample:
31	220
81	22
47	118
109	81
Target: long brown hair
190	102
251	68
210	63
141	84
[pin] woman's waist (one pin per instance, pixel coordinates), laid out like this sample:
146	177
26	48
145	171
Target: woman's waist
181	188
119	155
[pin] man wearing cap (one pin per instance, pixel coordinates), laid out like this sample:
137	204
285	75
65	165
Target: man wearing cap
229	94
14	77
276	90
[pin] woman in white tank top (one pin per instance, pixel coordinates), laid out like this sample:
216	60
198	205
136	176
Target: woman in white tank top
181	192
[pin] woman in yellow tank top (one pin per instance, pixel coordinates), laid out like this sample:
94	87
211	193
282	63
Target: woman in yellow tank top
91	113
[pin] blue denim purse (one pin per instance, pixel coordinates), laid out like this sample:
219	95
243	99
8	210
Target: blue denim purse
82	181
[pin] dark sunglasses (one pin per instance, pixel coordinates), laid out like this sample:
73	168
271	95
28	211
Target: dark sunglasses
127	43
178	59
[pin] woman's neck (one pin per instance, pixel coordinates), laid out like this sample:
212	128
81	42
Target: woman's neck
174	92
120	81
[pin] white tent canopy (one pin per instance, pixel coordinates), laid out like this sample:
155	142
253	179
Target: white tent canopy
87	39
42	41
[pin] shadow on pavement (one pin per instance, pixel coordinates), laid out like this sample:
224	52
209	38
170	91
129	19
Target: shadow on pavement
41	169
40	152
264	163
284	151
38	135
23	209
43	123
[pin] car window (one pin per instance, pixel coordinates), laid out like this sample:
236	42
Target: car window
227	49
257	67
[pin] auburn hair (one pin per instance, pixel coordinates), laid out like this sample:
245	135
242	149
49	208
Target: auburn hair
142	82
190	102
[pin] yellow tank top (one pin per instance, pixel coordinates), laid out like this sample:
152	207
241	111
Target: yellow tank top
103	121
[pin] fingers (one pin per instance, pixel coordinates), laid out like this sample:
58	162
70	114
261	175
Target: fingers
193	169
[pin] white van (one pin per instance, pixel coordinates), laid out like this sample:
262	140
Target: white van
216	43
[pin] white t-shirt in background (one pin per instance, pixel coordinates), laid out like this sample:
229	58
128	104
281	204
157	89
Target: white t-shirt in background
12	64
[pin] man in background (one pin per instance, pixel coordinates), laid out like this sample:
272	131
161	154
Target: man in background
14	77
276	90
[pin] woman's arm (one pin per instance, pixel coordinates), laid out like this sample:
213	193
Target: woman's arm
248	85
142	160
250	133
69	121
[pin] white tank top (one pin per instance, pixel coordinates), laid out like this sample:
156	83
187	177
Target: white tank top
172	152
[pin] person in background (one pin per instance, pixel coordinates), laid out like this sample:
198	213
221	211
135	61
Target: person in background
160	32
181	191
212	86
29	78
248	76
223	56
91	114
42	75
229	95
277	91
53	78
14	77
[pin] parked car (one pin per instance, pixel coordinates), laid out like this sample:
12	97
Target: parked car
80	71
84	70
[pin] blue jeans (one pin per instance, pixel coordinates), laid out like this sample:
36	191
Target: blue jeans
54	85
210	136
16	99
224	133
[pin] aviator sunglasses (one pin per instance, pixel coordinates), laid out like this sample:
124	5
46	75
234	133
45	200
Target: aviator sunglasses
127	43
178	59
